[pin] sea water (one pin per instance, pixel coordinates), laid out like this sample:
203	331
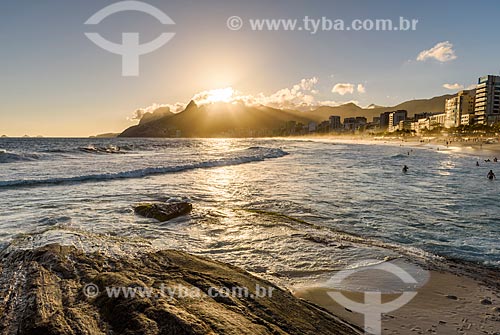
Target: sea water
290	210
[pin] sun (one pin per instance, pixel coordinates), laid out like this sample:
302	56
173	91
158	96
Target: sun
220	95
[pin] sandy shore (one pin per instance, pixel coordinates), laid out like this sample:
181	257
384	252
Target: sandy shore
481	147
446	304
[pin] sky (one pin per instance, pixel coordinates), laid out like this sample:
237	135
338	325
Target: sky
54	81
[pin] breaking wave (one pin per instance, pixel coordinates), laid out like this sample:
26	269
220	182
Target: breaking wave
254	154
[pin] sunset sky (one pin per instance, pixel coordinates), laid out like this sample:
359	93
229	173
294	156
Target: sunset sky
56	82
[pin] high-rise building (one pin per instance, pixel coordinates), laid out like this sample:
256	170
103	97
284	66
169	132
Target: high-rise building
384	120
456	107
335	122
396	117
487	105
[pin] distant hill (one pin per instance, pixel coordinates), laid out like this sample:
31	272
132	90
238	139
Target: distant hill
433	105
107	135
216	119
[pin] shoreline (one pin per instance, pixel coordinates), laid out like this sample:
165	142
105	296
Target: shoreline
471	146
458	297
446	304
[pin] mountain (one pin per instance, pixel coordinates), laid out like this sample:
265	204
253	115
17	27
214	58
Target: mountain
156	115
106	135
219	119
214	120
433	105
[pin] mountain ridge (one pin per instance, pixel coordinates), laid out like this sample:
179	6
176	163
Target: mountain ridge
219	118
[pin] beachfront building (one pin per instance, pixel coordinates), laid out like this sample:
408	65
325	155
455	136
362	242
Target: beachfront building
335	123
467	119
423	124
437	120
324	127
384	120
361	121
312	127
406	125
395	118
461	104
487	104
350	123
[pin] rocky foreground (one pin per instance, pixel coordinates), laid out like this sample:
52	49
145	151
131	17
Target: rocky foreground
46	291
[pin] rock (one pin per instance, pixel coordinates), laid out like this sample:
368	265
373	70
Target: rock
452	297
163	211
486	302
61	290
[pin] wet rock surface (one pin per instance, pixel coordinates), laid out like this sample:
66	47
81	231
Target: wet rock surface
163	211
61	290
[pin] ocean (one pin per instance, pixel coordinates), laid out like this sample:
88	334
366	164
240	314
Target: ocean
289	210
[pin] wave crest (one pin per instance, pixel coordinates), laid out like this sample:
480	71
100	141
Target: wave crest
260	155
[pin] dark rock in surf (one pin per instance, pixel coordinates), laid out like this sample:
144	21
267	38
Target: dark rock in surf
163	211
46	291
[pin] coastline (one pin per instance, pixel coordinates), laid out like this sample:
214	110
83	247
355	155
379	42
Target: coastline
478	147
447	304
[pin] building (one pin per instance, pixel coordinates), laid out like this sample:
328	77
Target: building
437	120
335	123
324	127
487	104
312	127
406	125
423	115
467	119
361	121
350	123
396	117
461	104
422	125
384	120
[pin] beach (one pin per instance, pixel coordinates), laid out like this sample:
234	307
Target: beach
447	304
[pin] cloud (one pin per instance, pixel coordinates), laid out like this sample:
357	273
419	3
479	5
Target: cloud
138	114
343	88
453	87
443	52
301	96
361	88
174	108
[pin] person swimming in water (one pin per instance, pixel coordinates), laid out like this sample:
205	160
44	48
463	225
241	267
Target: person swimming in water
477	163
491	175
405	169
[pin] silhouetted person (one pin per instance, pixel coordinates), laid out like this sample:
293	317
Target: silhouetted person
495	159
477	163
405	169
491	175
